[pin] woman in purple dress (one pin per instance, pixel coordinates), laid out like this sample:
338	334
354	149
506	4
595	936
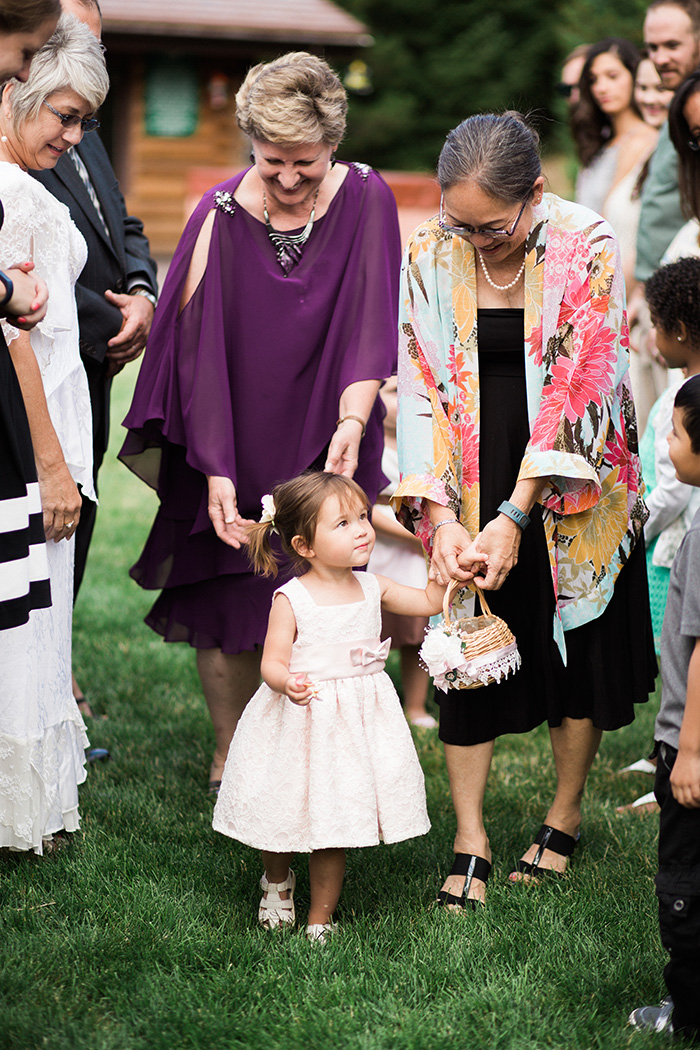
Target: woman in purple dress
276	325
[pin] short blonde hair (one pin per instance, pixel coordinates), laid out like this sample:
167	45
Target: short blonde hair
71	59
295	99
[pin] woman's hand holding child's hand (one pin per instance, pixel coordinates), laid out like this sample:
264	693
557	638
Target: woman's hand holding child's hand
497	545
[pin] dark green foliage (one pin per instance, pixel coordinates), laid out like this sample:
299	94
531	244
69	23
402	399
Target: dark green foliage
436	62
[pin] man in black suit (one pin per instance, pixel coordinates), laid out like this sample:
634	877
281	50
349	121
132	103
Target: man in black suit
116	292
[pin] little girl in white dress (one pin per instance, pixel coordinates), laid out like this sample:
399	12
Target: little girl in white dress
322	758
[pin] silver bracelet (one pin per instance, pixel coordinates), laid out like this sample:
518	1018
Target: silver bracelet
446	521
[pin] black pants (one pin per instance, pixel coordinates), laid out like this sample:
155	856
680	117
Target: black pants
99	386
678	890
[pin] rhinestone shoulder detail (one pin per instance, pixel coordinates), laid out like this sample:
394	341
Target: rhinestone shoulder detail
362	170
224	201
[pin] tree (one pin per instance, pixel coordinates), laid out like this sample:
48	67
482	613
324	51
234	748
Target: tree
436	62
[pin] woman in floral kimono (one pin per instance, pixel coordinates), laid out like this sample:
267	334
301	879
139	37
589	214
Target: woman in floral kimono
517	440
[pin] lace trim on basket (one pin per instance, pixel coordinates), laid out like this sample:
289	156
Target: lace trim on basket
498	664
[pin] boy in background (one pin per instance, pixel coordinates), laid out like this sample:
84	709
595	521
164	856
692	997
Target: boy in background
677	732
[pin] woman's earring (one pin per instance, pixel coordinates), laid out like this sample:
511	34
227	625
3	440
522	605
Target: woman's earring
252	157
334	159
3	138
679	338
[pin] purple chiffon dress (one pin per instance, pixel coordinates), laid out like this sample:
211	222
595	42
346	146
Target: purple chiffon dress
245	383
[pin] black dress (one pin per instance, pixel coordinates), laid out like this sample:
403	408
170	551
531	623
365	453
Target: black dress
610	661
24	583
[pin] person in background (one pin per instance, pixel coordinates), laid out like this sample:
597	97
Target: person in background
672	40
116	292
399	555
673	295
650	95
613	142
25	25
568	86
677	734
40	724
275	328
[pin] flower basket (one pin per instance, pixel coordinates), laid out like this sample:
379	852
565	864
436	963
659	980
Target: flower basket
471	652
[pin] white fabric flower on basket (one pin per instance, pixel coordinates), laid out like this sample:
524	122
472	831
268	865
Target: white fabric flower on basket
442	653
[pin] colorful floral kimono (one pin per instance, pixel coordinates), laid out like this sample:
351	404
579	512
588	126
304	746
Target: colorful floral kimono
582	424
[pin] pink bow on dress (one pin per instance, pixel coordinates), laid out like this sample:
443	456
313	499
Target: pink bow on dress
364	655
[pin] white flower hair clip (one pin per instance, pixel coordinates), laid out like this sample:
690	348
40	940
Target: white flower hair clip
268	511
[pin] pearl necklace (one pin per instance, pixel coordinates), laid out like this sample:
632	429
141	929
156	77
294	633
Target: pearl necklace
500	287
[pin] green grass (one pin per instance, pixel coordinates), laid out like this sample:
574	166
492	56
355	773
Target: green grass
142	934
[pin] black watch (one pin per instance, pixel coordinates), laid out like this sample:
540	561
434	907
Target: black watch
9	289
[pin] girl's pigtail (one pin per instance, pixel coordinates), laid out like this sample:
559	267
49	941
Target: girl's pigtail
260	550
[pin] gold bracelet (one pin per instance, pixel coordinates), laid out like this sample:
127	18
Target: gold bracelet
357	420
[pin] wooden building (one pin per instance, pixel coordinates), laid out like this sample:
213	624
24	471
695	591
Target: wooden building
175	67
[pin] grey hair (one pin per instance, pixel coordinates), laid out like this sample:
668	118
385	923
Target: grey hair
498	151
72	59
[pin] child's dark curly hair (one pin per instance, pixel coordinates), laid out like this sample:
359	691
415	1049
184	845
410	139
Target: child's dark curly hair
673	294
688	401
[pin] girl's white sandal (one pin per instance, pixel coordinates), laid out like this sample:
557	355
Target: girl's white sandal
320	932
274	911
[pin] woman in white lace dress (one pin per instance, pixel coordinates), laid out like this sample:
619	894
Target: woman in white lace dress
42	735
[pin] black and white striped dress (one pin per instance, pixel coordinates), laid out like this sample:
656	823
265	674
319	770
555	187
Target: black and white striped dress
24	583
24	571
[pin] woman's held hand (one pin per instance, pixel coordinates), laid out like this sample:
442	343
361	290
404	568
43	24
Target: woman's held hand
499	540
450	542
228	524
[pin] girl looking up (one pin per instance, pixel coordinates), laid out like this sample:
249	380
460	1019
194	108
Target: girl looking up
322	758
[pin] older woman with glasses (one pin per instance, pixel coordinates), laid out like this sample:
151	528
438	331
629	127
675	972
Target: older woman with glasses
42	736
518	456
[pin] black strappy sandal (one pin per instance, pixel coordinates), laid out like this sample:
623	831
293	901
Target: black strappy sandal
472	867
547	838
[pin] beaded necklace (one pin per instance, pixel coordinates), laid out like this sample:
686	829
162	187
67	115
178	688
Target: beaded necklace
289	246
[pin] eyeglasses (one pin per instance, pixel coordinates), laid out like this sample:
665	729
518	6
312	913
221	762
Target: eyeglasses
471	231
71	120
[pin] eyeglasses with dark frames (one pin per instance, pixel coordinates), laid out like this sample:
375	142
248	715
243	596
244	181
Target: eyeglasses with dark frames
71	120
471	231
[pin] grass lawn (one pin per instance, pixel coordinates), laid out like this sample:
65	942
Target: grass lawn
142	934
